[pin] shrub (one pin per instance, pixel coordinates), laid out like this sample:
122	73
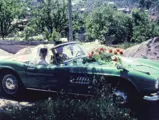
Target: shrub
66	108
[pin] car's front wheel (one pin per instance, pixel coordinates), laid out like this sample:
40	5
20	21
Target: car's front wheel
125	95
10	85
120	97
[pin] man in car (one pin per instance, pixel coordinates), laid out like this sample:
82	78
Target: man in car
60	55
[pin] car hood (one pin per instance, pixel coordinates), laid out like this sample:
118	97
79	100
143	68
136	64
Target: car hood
141	65
131	64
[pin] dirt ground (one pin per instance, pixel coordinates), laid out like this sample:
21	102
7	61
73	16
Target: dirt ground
4	53
148	49
12	48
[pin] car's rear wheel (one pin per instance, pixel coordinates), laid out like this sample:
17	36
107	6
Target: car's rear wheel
10	85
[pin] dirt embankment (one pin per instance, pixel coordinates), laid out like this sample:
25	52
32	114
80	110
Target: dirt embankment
148	49
4	53
13	47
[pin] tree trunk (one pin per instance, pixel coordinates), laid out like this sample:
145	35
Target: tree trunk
70	20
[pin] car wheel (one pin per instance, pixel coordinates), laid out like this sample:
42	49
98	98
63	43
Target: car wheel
120	97
10	85
123	97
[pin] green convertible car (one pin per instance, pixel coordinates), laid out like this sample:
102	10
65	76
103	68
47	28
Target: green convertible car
45	69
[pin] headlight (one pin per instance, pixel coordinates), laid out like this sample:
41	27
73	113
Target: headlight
157	84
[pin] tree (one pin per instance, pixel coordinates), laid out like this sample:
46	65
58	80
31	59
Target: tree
148	3
145	3
78	23
143	28
70	20
97	23
10	10
51	15
155	7
108	25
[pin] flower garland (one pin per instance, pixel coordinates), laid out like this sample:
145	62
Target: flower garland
105	55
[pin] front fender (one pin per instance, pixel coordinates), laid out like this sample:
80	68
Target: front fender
143	82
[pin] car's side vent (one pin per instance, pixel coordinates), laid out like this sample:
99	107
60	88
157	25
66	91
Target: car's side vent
80	80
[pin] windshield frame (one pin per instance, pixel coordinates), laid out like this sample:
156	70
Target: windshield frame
71	59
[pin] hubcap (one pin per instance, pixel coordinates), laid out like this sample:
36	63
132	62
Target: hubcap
10	84
120	97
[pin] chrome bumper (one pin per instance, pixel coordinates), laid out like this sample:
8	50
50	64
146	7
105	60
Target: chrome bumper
152	97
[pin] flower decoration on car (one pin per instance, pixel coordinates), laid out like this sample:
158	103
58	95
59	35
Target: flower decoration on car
105	54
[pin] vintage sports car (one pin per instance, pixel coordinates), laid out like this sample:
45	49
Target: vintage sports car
45	69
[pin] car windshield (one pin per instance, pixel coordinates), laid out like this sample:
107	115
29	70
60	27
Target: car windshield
70	51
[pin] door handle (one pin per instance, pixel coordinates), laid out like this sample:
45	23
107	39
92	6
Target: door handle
30	68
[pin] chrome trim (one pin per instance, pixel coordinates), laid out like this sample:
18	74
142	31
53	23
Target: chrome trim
80	80
30	68
120	97
34	89
157	84
11	84
40	74
63	44
152	97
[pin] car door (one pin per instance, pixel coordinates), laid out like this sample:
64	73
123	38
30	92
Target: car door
41	77
79	82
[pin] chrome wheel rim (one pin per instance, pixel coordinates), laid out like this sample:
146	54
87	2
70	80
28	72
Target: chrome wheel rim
120	97
10	84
